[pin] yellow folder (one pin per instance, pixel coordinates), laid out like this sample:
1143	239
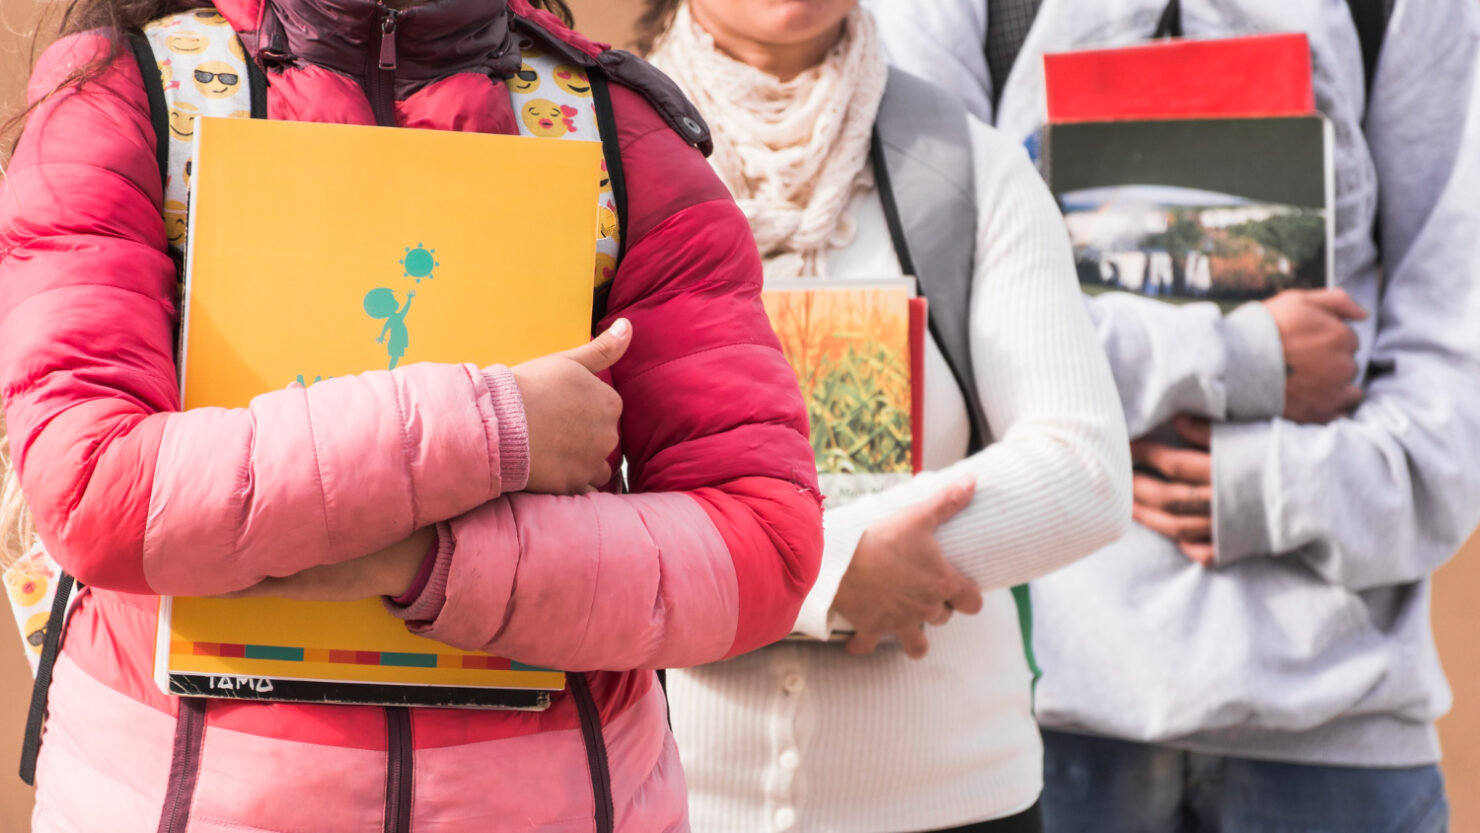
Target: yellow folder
327	250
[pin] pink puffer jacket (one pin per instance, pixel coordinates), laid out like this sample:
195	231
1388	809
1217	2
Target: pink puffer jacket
710	557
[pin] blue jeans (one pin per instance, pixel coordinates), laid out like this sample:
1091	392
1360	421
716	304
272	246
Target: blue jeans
1099	785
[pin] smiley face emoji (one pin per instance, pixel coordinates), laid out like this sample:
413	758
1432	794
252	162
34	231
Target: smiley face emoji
182	120
215	79
605	183
176	221
187	43
235	45
546	119
210	17
525	81
572	79
606	268
166	73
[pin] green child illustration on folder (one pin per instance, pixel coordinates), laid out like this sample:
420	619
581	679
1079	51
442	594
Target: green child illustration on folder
381	303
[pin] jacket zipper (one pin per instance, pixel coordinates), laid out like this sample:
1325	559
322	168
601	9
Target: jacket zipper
398	770
380	71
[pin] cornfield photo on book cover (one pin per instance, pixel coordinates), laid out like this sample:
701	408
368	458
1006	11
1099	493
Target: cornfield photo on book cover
851	350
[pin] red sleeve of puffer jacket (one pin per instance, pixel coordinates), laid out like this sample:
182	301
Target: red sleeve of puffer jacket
714	553
130	493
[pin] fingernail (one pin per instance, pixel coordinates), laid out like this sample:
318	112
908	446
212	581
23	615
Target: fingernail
620	327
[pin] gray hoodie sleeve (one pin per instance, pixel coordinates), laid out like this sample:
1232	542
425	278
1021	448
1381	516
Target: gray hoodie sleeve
1189	359
1386	496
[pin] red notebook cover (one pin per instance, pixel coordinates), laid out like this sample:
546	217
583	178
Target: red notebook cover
1260	75
919	327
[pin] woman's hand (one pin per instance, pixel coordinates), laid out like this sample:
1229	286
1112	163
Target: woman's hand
1320	363
1176	498
899	580
388	572
572	414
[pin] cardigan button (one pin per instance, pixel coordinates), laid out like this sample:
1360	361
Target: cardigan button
692	126
786	818
793	683
790	760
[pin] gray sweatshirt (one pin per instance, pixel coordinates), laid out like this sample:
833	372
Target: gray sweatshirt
1310	640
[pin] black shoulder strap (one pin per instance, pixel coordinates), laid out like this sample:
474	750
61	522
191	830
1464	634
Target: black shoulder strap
611	149
1170	24
159	115
257	88
36	717
1371	17
885	186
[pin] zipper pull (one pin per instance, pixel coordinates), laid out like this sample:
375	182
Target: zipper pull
388	39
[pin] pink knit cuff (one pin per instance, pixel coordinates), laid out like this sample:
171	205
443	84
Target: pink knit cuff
424	601
513	429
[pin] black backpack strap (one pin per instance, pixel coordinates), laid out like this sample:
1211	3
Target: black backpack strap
159	115
36	717
611	149
891	206
257	88
596	757
1371	17
1170	24
901	243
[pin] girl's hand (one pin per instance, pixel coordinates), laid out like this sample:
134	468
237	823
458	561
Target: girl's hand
899	580
572	414
388	572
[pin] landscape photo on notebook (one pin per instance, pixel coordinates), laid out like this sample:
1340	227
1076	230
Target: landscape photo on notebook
1225	209
303	268
856	347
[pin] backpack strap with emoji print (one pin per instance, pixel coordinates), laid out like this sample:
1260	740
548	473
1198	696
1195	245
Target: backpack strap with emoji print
192	65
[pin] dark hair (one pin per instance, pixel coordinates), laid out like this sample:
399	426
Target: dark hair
656	17
121	16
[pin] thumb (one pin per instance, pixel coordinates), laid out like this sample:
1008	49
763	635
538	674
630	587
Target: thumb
1338	302
944	504
604	350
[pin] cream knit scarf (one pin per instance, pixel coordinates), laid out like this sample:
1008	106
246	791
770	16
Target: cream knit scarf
794	153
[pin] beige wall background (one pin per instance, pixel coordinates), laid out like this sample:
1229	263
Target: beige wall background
1456	614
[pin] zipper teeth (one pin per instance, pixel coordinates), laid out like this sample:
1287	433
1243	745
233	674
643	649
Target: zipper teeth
398	770
380	83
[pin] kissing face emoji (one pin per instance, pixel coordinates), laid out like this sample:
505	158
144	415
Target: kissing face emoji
216	80
175	221
546	119
187	43
572	79
182	120
27	588
525	81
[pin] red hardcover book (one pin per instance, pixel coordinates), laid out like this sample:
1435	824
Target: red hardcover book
1260	75
919	329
